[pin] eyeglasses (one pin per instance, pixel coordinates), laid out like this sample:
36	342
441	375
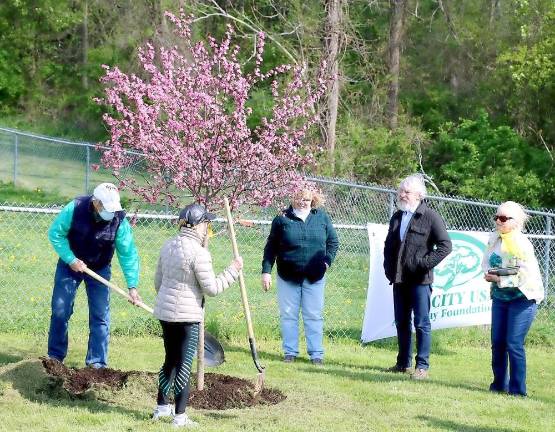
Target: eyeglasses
501	218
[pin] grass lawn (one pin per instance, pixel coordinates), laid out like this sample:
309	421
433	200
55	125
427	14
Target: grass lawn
27	265
352	392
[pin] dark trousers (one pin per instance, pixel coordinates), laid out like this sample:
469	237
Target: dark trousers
409	299
510	322
180	344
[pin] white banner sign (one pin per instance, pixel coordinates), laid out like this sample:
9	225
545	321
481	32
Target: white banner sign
460	297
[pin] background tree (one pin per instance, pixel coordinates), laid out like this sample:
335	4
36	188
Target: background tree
396	23
458	59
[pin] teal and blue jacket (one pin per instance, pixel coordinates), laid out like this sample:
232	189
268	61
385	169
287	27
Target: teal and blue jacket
77	233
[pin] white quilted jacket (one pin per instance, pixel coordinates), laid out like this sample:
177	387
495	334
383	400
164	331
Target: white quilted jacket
184	274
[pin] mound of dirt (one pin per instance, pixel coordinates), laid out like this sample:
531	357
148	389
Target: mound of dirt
225	392
220	392
77	381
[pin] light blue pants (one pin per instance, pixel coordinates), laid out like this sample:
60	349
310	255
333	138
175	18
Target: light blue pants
309	298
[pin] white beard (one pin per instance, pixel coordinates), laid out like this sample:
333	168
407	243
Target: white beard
407	207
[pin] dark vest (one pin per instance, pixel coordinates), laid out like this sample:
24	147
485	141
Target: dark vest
92	241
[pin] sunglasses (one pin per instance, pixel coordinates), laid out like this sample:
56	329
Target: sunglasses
502	219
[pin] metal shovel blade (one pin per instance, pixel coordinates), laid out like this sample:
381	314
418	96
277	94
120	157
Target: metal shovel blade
213	351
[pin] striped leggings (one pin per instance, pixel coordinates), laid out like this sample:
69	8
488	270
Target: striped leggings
180	344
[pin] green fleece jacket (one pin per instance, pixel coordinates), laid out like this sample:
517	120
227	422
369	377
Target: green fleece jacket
301	249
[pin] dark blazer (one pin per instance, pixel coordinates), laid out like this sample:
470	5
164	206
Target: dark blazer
425	245
301	249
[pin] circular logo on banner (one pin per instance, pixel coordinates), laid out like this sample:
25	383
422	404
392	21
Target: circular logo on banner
463	264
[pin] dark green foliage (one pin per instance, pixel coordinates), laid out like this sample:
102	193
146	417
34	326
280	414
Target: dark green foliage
457	62
476	159
377	154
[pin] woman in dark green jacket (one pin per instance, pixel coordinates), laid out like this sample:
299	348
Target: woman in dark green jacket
303	241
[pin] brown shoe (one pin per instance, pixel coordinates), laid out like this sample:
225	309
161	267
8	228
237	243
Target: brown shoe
420	374
397	369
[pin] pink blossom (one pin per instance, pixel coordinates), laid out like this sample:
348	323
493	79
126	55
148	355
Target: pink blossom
184	126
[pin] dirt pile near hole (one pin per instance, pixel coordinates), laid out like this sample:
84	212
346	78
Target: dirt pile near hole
220	392
225	392
77	381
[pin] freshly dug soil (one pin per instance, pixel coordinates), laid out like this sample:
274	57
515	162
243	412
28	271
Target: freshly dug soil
77	381
220	391
225	392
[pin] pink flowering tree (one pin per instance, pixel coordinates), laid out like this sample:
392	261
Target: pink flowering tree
187	119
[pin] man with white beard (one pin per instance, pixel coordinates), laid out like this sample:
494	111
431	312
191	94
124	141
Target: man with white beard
416	242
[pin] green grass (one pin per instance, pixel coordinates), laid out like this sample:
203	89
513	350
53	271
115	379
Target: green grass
18	195
350	393
27	264
58	168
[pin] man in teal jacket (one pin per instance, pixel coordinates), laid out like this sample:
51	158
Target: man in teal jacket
86	233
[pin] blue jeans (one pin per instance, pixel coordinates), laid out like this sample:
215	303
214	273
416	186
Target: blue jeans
308	297
66	282
510	322
407	299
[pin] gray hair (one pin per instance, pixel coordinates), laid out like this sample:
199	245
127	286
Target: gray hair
415	182
516	211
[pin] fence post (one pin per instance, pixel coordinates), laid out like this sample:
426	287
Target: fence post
15	157
87	167
547	255
391	204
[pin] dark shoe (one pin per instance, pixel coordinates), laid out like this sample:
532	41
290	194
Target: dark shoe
495	389
420	374
288	359
317	362
397	369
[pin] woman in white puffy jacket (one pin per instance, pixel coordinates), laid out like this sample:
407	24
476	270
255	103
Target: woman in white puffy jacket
183	276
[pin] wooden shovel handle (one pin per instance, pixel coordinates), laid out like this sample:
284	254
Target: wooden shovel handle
246	308
115	288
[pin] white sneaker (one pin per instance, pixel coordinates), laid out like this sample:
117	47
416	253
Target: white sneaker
162	411
182	420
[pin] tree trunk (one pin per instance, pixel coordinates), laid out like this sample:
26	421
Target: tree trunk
494	10
333	28
85	52
397	12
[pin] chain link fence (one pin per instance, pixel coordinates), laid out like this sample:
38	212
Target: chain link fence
27	261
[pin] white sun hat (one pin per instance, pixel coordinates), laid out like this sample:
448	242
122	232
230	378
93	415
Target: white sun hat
108	195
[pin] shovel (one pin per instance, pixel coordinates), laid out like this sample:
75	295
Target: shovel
213	351
260	377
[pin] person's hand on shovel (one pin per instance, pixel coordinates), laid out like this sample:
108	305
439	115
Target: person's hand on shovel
237	263
77	265
134	296
266	281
